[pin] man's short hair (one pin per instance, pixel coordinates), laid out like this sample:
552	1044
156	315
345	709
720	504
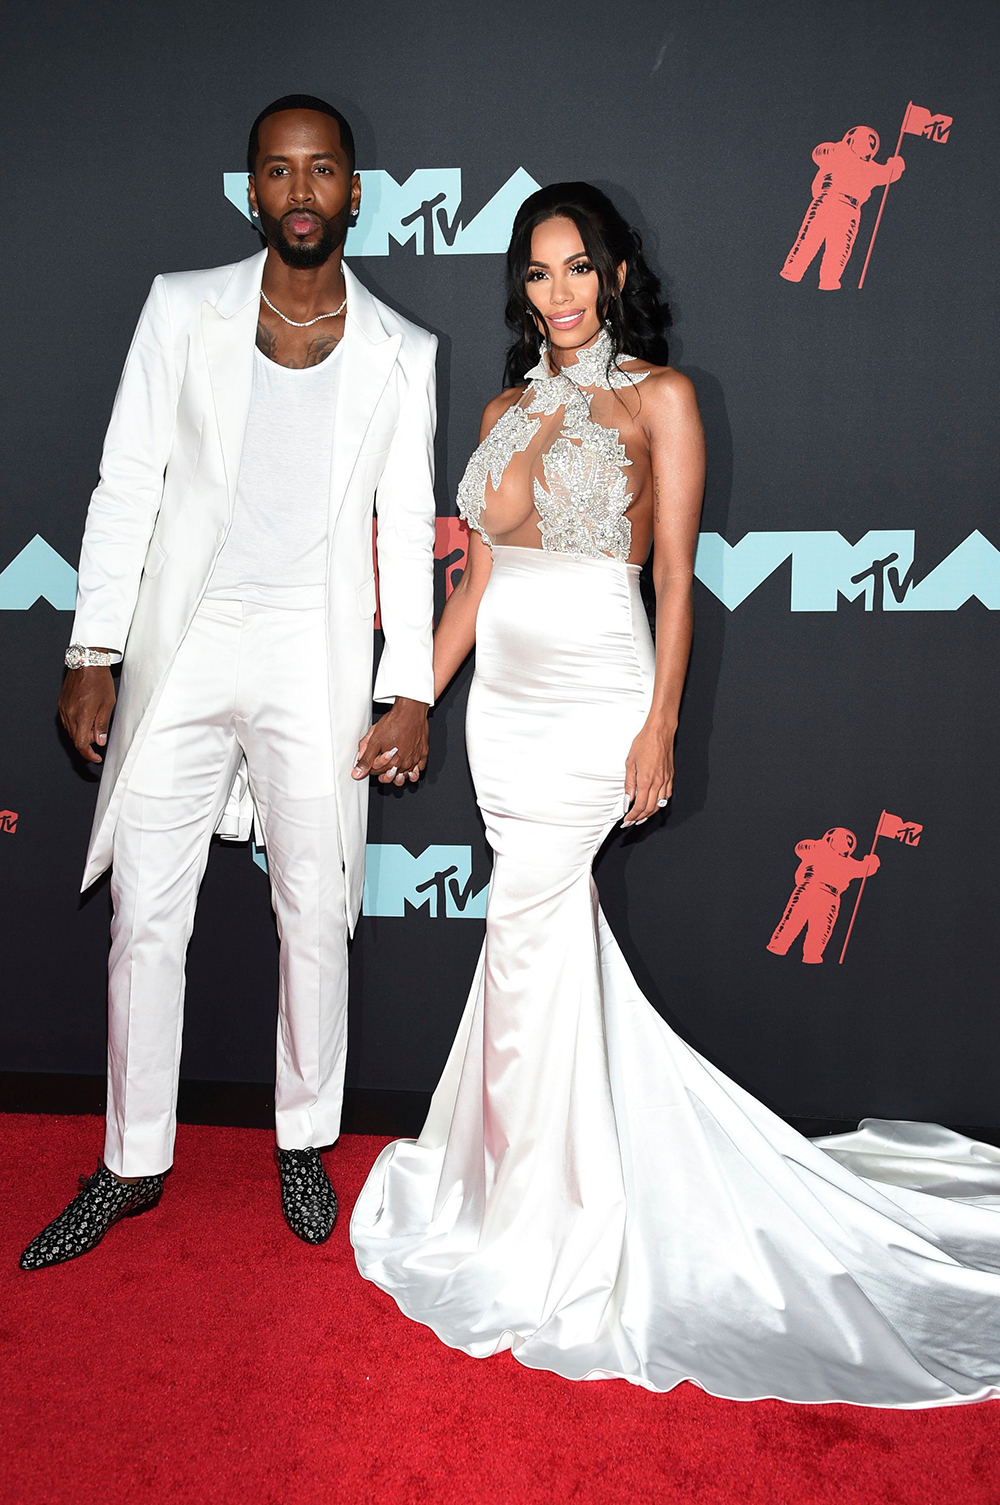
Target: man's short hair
299	102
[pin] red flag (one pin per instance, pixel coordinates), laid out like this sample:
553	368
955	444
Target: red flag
895	829
920	122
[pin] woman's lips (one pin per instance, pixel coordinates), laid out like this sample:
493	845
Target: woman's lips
567	321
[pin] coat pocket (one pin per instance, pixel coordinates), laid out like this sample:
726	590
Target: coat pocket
366	598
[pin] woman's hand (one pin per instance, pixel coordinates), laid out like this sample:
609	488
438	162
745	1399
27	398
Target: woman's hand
649	772
395	748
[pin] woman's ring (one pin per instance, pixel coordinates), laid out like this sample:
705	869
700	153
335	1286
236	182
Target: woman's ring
662	804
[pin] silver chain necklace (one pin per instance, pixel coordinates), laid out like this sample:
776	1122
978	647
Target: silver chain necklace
306	323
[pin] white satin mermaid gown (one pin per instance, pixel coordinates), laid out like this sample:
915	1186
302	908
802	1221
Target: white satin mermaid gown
588	1191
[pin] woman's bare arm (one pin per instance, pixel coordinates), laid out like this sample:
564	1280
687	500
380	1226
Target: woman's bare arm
455	634
456	631
677	455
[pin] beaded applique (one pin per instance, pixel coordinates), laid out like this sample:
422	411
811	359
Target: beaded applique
581	508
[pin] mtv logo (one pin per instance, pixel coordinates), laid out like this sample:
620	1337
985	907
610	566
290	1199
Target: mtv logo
438	880
35	573
425	209
8	821
826	569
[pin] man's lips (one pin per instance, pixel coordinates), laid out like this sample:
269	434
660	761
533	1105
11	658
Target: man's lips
301	224
568	320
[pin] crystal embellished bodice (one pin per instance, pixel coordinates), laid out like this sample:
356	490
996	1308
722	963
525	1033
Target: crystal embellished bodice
582	504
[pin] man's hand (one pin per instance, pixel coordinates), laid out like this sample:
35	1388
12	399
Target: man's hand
395	748
86	701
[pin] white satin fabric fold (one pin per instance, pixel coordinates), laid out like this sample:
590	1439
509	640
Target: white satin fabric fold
590	1192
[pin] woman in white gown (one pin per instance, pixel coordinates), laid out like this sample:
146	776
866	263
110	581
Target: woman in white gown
588	1191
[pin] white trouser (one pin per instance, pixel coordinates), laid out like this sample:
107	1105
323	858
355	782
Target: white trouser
247	680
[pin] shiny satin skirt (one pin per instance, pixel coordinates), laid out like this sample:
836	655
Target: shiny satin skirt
591	1193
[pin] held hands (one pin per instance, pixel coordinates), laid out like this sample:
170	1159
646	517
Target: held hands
649	773
395	748
86	701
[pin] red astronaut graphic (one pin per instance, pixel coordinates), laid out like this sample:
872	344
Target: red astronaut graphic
847	174
825	870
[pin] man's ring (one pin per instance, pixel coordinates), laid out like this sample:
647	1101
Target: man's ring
662	804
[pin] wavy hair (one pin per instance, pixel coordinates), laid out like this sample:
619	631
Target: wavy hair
636	316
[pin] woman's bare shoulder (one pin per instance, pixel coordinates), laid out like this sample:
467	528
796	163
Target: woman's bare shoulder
495	409
665	391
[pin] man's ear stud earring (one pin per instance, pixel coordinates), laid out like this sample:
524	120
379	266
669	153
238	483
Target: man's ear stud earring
255	214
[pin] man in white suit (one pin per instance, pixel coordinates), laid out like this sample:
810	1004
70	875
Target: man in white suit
264	408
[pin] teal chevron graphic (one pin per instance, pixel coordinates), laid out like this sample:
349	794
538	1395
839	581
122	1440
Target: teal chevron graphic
825	567
426	208
37	573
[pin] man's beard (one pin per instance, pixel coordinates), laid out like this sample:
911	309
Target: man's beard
316	254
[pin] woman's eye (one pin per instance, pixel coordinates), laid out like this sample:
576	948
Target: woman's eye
581	266
534	277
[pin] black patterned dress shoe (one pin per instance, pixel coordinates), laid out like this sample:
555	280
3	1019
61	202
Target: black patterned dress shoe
101	1201
308	1200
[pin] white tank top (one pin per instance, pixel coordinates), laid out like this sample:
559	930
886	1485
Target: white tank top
275	554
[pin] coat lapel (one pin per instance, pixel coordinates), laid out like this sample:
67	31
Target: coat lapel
369	356
229	328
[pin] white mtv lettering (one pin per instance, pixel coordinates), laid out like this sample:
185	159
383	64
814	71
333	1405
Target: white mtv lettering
37	573
439	879
426	209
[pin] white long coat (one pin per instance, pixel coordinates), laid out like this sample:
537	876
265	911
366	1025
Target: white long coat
164	506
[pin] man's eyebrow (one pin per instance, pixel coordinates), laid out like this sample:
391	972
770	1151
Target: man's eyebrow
316	156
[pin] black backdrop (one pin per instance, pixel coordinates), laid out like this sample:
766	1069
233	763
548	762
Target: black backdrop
829	414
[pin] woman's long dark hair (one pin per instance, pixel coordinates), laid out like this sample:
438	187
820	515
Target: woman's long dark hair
636	316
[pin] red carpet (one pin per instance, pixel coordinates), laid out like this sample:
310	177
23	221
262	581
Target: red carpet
203	1355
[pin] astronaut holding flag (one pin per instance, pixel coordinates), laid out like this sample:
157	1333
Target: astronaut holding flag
826	869
846	178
